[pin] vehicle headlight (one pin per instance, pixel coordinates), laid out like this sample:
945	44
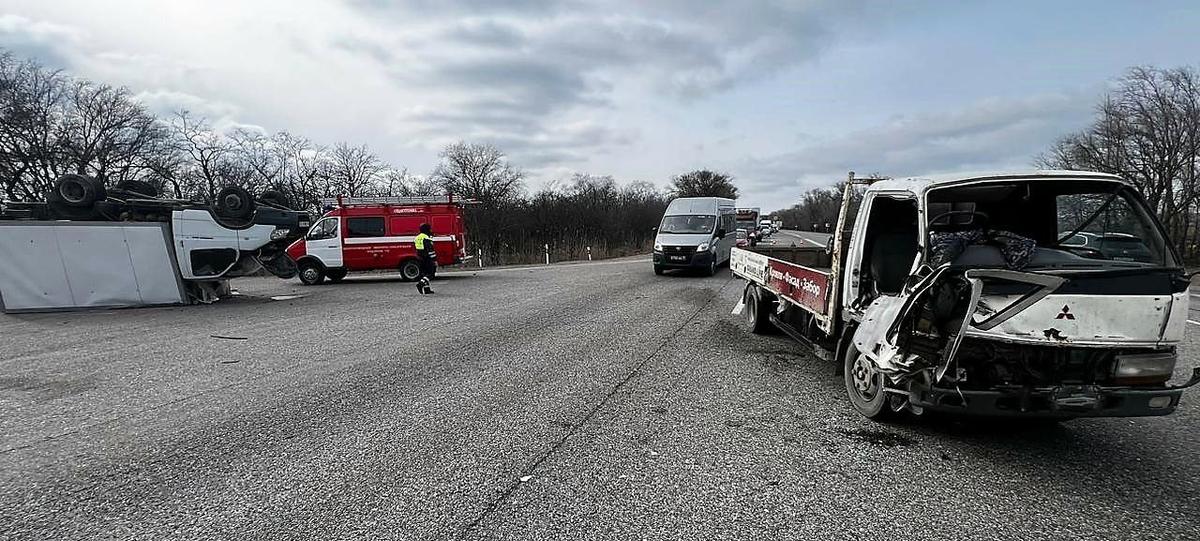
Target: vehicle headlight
702	247
1133	368
280	233
658	247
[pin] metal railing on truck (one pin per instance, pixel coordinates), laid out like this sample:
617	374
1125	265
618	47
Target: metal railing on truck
347	201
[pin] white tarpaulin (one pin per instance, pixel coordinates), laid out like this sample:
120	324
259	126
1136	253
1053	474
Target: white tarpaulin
62	265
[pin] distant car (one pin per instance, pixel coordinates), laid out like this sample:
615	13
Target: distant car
1115	246
743	239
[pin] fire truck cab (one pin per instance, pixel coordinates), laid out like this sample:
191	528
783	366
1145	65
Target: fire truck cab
377	233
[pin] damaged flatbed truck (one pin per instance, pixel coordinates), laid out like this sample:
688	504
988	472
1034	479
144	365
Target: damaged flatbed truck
991	294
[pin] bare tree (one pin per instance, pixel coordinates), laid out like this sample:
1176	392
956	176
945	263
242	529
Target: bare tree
1147	131
204	151
31	100
478	171
703	183
354	171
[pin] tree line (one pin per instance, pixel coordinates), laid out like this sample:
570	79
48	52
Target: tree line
52	124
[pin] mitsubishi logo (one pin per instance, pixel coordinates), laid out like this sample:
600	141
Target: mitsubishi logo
1065	314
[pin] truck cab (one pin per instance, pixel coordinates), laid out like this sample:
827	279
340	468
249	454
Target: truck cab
378	234
985	294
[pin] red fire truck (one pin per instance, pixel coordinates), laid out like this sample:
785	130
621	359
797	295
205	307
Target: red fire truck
377	233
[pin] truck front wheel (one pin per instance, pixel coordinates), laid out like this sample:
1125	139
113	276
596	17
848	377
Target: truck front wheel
336	275
866	386
311	274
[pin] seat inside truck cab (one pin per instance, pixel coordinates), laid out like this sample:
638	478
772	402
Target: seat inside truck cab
891	244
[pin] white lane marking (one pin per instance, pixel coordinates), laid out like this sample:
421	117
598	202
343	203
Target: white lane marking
814	242
1193	322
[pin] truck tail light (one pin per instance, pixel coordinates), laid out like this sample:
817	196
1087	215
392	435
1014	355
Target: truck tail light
1144	368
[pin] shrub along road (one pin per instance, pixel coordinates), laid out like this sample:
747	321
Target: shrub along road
589	401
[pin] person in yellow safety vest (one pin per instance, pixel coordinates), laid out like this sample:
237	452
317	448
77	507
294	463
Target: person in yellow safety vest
426	257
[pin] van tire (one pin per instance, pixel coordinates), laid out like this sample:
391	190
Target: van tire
658	269
235	203
311	274
336	275
712	268
78	191
410	270
757	311
865	386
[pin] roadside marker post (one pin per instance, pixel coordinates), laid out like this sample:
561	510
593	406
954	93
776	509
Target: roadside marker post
479	256
547	248
589	253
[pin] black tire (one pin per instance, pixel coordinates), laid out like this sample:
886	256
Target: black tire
234	202
659	270
712	267
275	198
144	190
757	311
410	270
78	191
336	275
311	274
865	386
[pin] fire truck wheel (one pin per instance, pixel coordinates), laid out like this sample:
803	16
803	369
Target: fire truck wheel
234	202
77	190
410	270
311	274
336	275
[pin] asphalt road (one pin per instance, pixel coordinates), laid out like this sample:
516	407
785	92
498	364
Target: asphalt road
591	401
788	237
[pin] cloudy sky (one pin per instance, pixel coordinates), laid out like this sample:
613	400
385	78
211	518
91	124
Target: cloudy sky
783	95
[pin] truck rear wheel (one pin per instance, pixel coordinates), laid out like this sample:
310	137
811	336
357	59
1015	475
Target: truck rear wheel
336	275
866	386
410	270
757	311
311	274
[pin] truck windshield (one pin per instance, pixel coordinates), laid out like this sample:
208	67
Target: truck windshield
688	224
1069	223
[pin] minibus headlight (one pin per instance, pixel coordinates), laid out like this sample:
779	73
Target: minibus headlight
280	233
702	247
657	246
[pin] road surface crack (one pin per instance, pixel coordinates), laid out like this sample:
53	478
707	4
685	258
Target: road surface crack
574	427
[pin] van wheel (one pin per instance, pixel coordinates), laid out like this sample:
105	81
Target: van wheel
78	191
410	270
712	267
235	203
866	386
658	270
311	274
757	311
336	275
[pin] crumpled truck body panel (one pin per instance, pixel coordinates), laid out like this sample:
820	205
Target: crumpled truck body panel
1091	320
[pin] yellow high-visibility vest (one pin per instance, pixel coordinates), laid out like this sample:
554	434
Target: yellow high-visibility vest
420	242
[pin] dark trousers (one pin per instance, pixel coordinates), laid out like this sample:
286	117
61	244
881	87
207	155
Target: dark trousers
428	267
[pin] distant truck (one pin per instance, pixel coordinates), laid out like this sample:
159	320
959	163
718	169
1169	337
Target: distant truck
695	233
748	219
974	294
378	233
